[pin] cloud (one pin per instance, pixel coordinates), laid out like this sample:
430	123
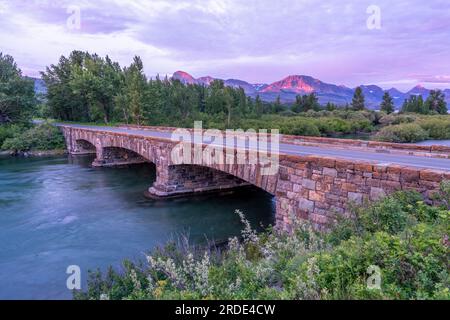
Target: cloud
255	40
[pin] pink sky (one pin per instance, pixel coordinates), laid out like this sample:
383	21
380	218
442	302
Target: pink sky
256	41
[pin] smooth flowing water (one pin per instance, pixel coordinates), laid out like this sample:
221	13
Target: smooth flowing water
56	212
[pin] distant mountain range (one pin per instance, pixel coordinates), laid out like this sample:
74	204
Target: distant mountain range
291	86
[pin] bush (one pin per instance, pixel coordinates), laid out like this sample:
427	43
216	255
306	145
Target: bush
402	133
301	127
401	236
436	128
9	131
41	137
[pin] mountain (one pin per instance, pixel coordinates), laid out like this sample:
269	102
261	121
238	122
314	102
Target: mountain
419	90
184	77
291	86
248	88
205	80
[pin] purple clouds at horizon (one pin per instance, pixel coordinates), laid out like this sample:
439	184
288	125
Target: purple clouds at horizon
256	41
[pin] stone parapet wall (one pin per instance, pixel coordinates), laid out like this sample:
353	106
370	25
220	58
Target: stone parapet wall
376	146
317	188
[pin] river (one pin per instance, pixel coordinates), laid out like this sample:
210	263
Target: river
56	212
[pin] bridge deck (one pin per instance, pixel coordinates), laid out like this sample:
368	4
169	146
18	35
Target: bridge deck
291	149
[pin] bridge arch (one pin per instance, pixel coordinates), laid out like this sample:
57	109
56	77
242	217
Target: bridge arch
116	156
83	146
183	179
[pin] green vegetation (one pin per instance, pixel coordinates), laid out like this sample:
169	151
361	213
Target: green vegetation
17	98
387	105
435	103
39	137
401	235
305	103
438	127
316	123
358	101
407	132
87	88
413	128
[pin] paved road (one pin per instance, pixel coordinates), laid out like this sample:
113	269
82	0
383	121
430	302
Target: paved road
382	158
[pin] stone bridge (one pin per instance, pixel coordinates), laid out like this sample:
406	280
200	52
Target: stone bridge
312	184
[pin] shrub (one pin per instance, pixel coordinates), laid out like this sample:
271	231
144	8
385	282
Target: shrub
41	137
436	128
393	119
402	133
9	131
400	234
301	128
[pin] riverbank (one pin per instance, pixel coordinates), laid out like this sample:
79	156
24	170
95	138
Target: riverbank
393	240
33	153
31	140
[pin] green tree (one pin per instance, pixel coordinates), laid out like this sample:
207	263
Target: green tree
63	102
387	105
17	97
98	80
277	105
306	102
299	104
358	101
415	104
436	102
258	106
330	106
134	92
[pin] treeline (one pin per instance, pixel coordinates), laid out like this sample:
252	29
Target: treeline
435	103
86	87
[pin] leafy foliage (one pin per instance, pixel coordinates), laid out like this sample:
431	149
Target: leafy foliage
17	98
358	101
40	137
435	103
409	132
402	235
387	105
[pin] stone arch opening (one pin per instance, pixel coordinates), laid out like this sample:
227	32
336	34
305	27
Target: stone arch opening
183	180
117	156
84	147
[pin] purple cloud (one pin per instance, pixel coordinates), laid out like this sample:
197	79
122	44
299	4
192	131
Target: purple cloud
257	41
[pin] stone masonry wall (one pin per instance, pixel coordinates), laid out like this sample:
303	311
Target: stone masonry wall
317	188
